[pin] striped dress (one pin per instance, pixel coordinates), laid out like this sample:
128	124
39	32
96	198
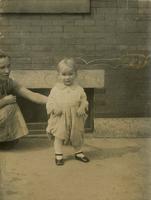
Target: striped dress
12	123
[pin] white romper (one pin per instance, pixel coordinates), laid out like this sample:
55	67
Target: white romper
68	126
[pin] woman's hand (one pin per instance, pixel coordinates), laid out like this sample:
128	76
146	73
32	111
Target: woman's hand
9	99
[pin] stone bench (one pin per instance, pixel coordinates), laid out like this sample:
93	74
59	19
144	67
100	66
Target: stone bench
47	78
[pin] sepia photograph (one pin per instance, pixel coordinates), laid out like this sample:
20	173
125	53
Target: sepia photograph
75	99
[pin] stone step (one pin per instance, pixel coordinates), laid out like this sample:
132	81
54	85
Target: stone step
139	127
40	128
37	126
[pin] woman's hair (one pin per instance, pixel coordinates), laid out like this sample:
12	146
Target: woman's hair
3	54
69	62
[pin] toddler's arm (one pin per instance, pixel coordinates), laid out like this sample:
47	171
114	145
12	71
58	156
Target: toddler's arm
83	104
50	103
51	106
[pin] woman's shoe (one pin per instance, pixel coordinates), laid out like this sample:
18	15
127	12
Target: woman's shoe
81	158
59	161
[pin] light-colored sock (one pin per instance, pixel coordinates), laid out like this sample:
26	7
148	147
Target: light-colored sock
79	153
58	148
59	157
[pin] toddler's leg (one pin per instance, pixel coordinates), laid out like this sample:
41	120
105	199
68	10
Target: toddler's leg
58	143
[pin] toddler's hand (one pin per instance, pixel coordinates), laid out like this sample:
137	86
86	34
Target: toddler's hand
10	99
81	111
57	111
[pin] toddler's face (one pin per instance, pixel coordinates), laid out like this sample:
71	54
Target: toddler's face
67	75
4	68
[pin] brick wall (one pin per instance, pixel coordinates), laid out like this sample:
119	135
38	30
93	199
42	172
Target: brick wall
113	28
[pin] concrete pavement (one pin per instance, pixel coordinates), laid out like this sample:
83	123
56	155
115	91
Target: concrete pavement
120	169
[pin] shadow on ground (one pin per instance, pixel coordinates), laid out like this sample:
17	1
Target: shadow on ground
28	144
95	153
105	153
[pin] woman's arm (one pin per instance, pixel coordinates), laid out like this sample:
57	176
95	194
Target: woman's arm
32	96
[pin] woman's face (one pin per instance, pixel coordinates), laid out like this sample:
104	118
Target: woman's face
4	68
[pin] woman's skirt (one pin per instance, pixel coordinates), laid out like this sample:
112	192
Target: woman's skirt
12	123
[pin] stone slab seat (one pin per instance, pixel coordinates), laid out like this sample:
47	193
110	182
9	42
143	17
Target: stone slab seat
47	78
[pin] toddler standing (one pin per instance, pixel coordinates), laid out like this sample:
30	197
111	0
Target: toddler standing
66	107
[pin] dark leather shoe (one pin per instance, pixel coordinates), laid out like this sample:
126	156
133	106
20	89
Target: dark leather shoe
59	161
82	159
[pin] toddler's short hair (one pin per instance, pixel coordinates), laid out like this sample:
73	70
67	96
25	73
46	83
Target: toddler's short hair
70	62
